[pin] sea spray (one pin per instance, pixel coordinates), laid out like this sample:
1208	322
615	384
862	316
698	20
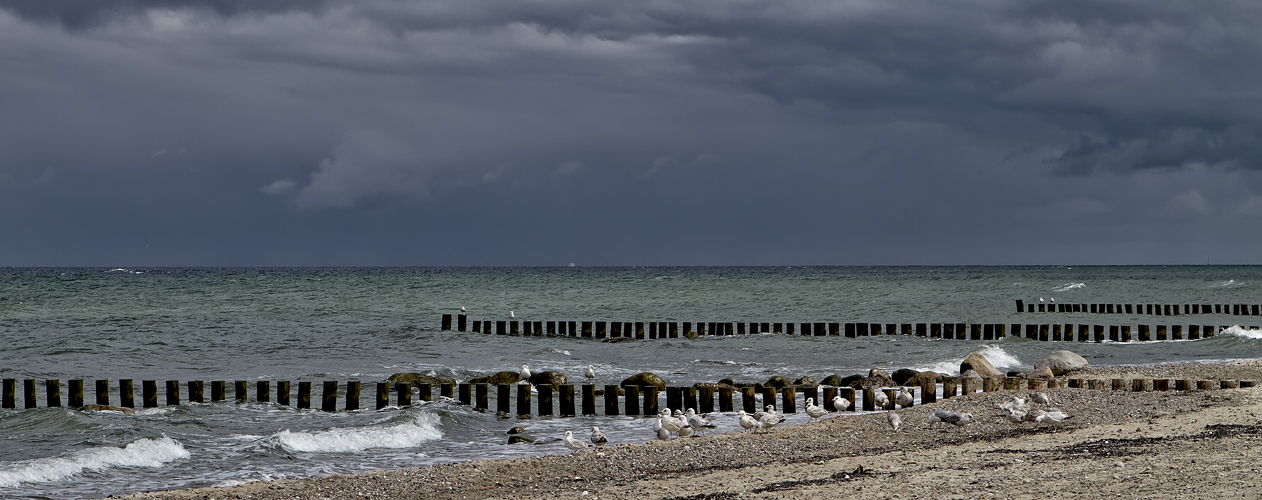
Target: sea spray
418	429
150	453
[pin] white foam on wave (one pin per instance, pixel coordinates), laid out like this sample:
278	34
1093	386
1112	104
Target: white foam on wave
421	428
1069	286
994	354
151	453
1243	332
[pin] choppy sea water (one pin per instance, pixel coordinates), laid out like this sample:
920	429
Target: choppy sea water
365	324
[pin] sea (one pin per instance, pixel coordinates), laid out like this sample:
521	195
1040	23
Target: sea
318	324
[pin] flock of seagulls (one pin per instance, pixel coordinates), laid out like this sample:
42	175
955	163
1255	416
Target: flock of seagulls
1018	410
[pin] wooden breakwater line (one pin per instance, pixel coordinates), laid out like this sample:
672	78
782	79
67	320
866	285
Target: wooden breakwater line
1141	309
634	400
1053	332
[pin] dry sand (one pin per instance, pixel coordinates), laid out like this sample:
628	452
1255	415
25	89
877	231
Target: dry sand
1195	444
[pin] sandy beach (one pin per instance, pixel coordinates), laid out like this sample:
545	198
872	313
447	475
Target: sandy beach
1118	444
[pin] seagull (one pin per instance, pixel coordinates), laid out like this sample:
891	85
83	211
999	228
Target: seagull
598	438
882	400
1040	299
525	374
960	419
769	420
1040	398
1014	405
840	403
574	444
894	420
1053	300
685	431
514	316
461	308
938	416
668	422
662	433
747	422
813	411
904	397
697	422
1052	415
591	372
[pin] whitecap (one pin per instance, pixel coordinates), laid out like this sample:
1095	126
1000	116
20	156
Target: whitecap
1069	286
151	453
421	428
999	357
1243	332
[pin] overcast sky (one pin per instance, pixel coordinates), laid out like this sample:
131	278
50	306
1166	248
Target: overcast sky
676	132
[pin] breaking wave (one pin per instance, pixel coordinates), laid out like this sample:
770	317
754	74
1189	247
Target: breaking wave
151	453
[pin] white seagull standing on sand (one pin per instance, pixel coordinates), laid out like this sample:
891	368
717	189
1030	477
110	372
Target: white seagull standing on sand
668	422
894	420
697	422
660	429
598	438
840	403
1040	398
813	411
747	422
685	431
574	444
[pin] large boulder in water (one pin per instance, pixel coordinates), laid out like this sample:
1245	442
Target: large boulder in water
1040	372
833	380
498	378
645	379
848	381
876	379
420	378
902	375
981	365
552	378
806	381
1062	362
777	381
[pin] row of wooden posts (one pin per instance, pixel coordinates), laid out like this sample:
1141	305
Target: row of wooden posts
1148	309
959	331
636	400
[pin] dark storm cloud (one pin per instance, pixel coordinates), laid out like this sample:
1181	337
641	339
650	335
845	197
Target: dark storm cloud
632	123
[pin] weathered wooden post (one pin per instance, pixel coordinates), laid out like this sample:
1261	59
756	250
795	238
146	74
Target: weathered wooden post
353	389
949	385
589	399
726	395
446	322
239	386
869	399
969	384
218	390
567	400
674	400
424	392
768	397
102	392
282	392
639	330
503	398
706	401
481	398
262	391
632	403
196	392
461	322
173	392
148	393
1126	333
383	395
890	394
1037	384
650	399
990	384
1012	383
611	400
788	400
8	395
1161	384
76	393
464	393
1228	384
928	391
328	401
748	403
1119	384
545	398
1138	385
28	392
1204	385
689	394
304	395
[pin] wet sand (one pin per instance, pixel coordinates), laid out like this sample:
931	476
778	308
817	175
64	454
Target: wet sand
1118	444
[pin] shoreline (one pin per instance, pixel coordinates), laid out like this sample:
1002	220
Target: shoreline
1193	444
